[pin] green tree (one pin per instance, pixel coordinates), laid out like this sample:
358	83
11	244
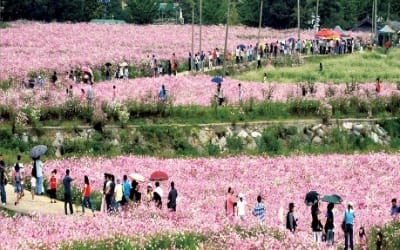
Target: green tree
142	11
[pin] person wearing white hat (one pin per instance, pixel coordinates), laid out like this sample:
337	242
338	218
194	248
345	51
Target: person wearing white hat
241	206
348	221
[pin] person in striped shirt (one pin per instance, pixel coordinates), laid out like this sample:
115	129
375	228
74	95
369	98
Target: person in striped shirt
259	210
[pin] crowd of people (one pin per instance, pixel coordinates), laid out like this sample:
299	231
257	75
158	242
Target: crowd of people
322	224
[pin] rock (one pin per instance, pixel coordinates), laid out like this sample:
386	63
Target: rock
380	131
255	134
316	127
214	141
306	138
358	127
115	142
317	140
58	141
193	141
308	132
320	133
375	137
243	134
222	143
347	125
35	138
204	136
252	145
229	132
356	132
25	137
58	153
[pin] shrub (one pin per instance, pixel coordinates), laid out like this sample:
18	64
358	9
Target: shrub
234	144
269	141
301	107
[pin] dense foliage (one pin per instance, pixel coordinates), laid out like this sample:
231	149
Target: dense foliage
277	14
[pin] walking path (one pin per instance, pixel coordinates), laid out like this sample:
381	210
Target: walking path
40	205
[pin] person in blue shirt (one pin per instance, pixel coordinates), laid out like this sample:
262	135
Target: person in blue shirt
163	94
349	222
259	210
395	210
126	189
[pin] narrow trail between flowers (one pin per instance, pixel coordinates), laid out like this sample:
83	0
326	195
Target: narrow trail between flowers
39	205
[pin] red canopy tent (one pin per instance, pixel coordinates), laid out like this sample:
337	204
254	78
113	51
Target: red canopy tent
327	34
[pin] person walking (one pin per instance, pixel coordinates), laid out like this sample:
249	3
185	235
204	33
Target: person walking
291	222
329	224
230	204
33	187
67	192
378	86
22	170
119	194
220	95
172	195
158	194
349	222
17	179
394	210
259	210
240	93
162	95
3	182
86	193
316	224
127	190
38	173
241	207
53	186
362	239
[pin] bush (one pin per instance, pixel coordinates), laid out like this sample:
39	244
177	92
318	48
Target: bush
269	142
235	144
299	107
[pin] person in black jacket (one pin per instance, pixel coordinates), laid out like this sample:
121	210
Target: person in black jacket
172	195
291	222
316	224
329	224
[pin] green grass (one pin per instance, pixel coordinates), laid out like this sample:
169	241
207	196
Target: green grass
360	67
391	236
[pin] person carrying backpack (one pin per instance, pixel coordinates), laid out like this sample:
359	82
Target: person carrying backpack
17	179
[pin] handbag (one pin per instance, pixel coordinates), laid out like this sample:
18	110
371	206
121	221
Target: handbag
343	226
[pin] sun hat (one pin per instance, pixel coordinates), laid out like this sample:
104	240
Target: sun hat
149	185
240	195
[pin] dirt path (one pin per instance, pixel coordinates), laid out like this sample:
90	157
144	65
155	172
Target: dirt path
40	205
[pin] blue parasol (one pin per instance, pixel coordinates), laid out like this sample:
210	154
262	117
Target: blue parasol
217	79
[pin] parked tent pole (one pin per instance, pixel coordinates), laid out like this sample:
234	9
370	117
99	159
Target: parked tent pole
298	19
226	38
259	22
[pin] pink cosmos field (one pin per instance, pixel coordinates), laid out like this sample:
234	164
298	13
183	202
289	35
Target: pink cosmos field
34	46
183	90
368	180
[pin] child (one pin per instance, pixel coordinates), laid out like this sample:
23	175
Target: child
53	186
362	239
265	77
379	240
33	187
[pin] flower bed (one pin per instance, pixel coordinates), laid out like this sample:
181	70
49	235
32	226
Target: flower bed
366	180
34	46
185	90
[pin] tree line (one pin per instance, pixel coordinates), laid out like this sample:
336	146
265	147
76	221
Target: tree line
276	14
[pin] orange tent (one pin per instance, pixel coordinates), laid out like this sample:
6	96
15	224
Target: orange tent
327	34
